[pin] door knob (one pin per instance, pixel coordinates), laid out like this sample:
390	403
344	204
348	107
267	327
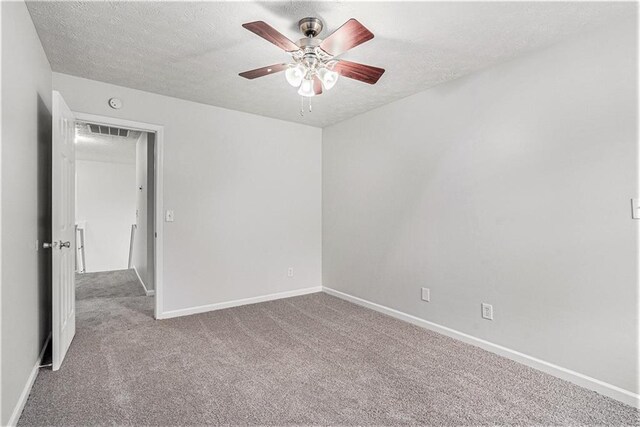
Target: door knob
65	244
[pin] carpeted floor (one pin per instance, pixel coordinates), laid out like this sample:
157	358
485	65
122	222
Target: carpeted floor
309	360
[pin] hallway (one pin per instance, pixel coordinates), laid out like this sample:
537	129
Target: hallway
102	297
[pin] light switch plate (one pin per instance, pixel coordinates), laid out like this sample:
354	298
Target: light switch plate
426	294
168	216
635	208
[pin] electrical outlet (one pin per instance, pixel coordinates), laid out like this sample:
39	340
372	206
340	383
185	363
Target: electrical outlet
487	311
290	272
426	294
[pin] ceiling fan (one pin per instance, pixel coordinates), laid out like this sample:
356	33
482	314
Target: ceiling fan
315	67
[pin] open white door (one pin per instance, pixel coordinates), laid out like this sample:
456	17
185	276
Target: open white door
63	234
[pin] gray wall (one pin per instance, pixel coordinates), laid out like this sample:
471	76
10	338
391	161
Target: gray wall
151	210
106	207
143	242
245	190
25	307
511	186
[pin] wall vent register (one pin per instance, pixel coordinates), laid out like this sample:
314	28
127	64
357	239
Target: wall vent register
94	132
108	130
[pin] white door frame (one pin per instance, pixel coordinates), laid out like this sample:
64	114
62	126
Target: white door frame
158	203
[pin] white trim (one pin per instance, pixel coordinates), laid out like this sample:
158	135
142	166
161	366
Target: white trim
582	380
148	292
239	302
159	204
17	410
1	283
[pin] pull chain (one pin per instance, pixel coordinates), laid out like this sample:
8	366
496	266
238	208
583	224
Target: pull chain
302	105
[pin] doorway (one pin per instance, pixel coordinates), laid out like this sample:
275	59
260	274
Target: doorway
118	235
114	215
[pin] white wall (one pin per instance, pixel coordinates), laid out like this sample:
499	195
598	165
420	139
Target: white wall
245	190
25	204
142	251
106	204
511	186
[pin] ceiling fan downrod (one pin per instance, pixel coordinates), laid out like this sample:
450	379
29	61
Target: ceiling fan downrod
310	26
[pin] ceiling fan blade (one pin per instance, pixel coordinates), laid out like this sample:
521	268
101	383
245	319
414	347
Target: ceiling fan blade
351	34
317	85
264	71
353	70
269	33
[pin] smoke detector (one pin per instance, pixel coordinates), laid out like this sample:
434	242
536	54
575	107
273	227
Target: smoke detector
115	103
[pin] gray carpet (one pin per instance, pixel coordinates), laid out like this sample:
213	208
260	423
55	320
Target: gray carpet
309	360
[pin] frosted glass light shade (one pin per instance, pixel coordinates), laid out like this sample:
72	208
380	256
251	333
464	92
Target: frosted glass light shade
306	88
295	75
328	78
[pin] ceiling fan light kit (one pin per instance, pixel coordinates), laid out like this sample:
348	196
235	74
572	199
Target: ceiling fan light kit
314	65
306	88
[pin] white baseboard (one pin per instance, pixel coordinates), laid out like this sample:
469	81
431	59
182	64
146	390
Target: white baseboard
610	390
17	410
238	302
148	292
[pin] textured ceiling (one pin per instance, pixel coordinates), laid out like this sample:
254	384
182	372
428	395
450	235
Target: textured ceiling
195	50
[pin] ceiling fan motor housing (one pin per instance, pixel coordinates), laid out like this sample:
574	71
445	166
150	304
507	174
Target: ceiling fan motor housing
310	27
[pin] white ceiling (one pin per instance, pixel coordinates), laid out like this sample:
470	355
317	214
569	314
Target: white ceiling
105	148
195	50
